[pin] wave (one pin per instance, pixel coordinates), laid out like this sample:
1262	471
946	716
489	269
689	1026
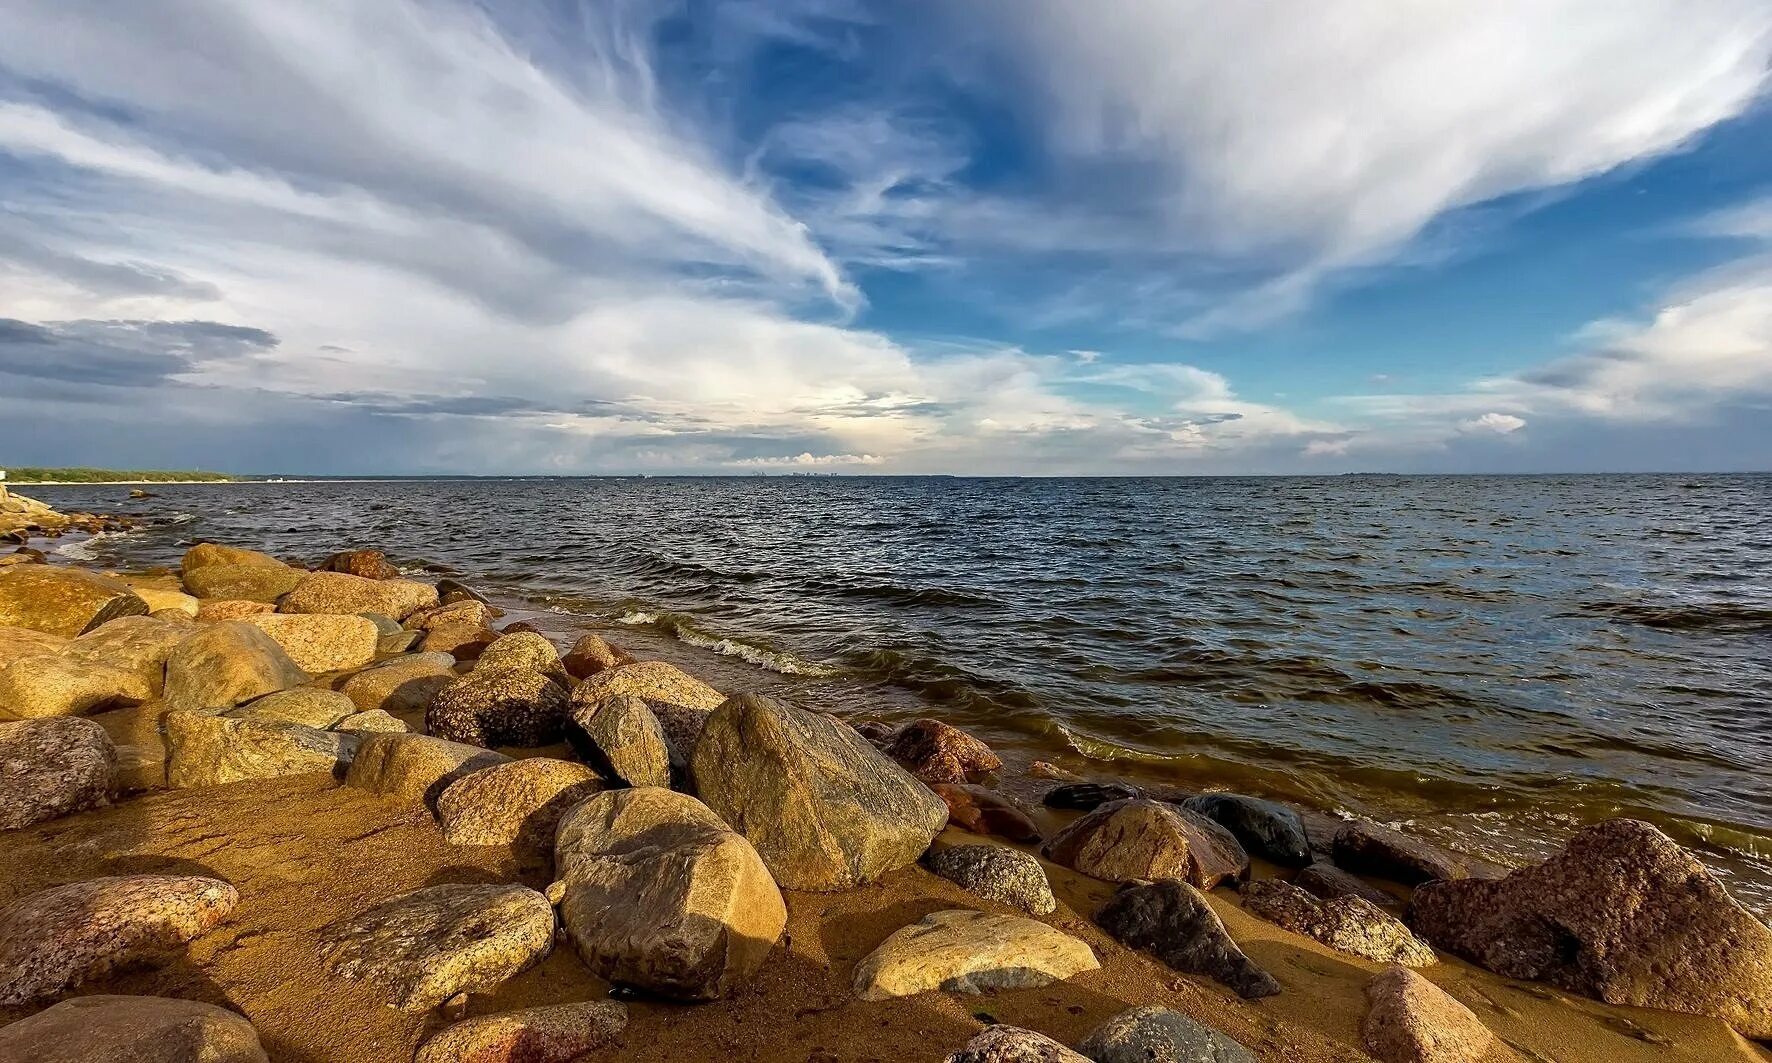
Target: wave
899	594
941	682
1721	617
89	548
684	629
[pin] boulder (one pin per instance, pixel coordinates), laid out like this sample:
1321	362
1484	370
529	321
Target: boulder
1011	1044
400	642
321	642
374	721
341	592
1369	849
622	738
1265	829
826	810
403	686
1155	1034
252	583
63	601
562	1033
517	802
450	591
139	644
1007	876
18	643
1126	841
308	706
1174	922
1413	1020
226	664
38	687
110	1029
655	681
499	708
54	940
523	651
204	750
590	655
384	625
210	555
960	951
1346	924
1328	882
657	893
985	811
424	947
1622	914
49	768
463	642
415	767
937	753
167	600
212	609
452	614
1088	796
369	564
681	727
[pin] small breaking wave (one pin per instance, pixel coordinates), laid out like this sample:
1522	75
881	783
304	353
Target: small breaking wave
683	629
90	548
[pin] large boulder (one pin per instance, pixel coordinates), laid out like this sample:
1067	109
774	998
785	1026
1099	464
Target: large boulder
1128	841
590	655
18	643
205	750
321	642
110	1029
415	767
452	614
403	686
63	601
215	555
658	893
54	940
424	947
341	592
1346	924
1381	852
37	687
210	610
938	753
262	583
308	706
960	951
622	737
515	803
522	651
561	1033
1155	1034
138	644
654	681
1007	876
1266	829
1012	1044
226	664
825	809
499	708
1174	922
1413	1020
49	768
1622	914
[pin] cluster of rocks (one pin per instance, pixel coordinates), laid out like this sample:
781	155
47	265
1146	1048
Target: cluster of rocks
23	519
674	816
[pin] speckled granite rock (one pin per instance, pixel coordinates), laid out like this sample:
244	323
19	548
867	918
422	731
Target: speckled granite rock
49	768
655	681
204	750
341	592
1126	841
499	708
18	643
138	644
1265	828
1346	924
403	686
63	601
936	752
516	802
558	1034
374	721
321	642
210	610
590	655
1414	1021
261	582
622	737
522	651
369	564
41	687
1011	1044
226	664
210	555
118	1029
1174	922
415	767
55	939
960	951
308	706
1007	876
1155	1034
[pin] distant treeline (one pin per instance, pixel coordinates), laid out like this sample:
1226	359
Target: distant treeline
100	476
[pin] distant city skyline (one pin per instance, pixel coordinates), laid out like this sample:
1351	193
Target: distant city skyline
1001	237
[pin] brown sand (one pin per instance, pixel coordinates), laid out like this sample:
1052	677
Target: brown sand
305	851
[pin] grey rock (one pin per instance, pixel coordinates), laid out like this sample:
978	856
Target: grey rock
1266	829
1173	921
620	737
502	707
1011	1044
1154	1034
1007	876
49	768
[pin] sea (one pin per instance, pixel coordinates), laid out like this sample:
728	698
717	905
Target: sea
1490	661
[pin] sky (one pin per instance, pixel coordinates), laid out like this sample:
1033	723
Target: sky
998	237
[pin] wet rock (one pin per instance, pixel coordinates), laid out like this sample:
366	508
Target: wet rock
264	583
1045	769
1088	796
39	687
1622	914
341	592
877	732
204	750
111	1029
1414	1021
1155	1034
308	706
49	768
369	564
1174	922
1125	841
403	686
985	811
63	601
212	609
374	721
1369	849
225	664
18	643
54	940
590	655
321	642
1328	882
1346	924
523	651
656	892
1011	1044
451	614
415	767
655	681
937	753
1007	876
450	591
1266	829
519	802
960	951
138	644
499	708
522	625
622	738
561	1033
214	555
826	810
424	947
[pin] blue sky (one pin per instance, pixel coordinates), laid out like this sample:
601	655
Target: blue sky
1007	236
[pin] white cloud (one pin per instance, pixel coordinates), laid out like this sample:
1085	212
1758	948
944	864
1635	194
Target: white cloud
1500	424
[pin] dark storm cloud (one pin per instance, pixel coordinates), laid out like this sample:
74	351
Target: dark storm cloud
121	353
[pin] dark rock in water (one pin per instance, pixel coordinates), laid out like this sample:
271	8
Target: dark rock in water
1328	882
1368	849
1346	924
1155	1034
1173	921
500	708
621	738
825	810
985	811
1413	1020
1268	830
63	601
1088	796
1127	841
136	492
517	626
26	555
590	655
879	732
935	752
1011	1044
49	768
1007	876
1622	914
450	591
370	564
103	1029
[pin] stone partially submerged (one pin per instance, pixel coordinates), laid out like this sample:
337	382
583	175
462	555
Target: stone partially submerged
1139	839
936	752
1390	854
1267	829
1346	924
960	951
114	1029
49	768
1174	922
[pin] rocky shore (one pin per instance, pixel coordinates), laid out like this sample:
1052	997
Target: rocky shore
254	809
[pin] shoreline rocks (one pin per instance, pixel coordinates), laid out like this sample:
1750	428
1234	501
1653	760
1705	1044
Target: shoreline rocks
961	951
1411	1020
1139	839
1007	876
1346	924
134	1028
1174	922
52	767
